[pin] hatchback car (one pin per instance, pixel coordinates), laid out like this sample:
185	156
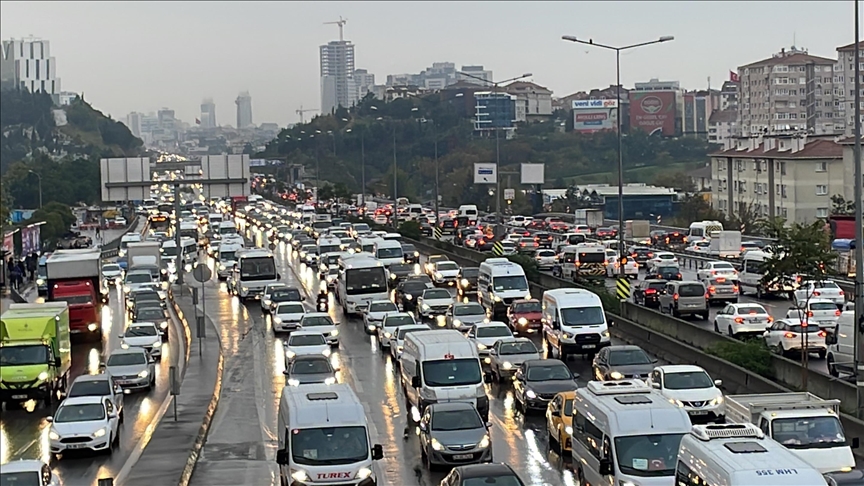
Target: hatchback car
721	288
462	317
374	315
665	273
660	259
621	362
508	354
453	433
738	320
311	369
647	292
559	422
685	298
153	314
545	259
322	323
387	329
305	343
537	382
84	423
788	336
826	289
485	335
132	368
101	385
691	388
525	316
821	312
143	335
287	316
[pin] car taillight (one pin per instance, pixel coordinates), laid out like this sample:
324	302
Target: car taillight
770	319
735	289
675	296
789	335
809	313
650	291
837	313
711	289
821	334
739	320
650	255
842	293
679	276
817	293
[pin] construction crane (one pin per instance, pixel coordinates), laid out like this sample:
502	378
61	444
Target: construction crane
341	23
301	111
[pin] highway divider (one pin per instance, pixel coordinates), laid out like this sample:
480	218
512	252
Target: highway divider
678	341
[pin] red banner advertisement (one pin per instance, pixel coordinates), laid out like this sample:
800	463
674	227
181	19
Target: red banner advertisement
653	111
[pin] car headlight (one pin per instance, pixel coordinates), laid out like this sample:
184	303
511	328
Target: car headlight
481	346
326	352
616	375
244	289
363	473
221	267
530	394
437	445
507	365
143	374
53	435
522	321
393	276
717	401
567	336
408	297
568	430
157	344
124	345
464	282
293	382
484	442
277	320
496	298
335	332
676	402
267	302
40	281
387	335
42	376
457	323
126	288
605	333
426	307
329	380
528	296
300	476
100	433
163	325
290	354
438	275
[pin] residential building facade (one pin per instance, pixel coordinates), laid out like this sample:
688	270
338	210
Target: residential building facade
844	78
533	102
722	126
729	95
28	64
476	72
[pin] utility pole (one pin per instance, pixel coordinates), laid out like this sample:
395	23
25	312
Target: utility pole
395	204
178	260
362	169
859	230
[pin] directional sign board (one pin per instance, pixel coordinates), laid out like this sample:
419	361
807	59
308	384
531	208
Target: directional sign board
509	194
225	175
485	173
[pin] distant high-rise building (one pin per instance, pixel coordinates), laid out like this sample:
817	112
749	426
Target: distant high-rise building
363	82
28	64
133	121
337	70
477	71
208	114
244	110
166	119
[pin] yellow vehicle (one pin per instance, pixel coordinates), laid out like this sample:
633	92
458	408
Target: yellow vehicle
35	352
559	422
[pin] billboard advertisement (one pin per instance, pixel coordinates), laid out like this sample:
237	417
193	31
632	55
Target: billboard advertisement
485	173
595	115
654	111
30	239
9	243
533	173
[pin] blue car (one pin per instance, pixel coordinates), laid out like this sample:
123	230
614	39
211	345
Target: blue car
123	262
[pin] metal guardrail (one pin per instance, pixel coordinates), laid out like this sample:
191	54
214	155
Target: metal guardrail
112	248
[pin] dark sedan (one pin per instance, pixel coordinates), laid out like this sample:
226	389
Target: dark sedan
666	273
622	361
606	232
538	380
466	280
641	254
500	474
407	294
398	272
410	253
647	292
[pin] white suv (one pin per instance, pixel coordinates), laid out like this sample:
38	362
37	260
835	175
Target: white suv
692	389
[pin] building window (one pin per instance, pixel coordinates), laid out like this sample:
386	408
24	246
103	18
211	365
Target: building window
783	190
785	213
821	212
821	166
821	190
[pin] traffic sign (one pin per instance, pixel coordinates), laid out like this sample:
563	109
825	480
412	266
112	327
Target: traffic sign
438	233
202	273
510	194
497	249
623	286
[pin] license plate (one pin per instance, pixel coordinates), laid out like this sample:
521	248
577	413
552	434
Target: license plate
123	382
754	321
698	412
463	457
19	397
76	446
589	346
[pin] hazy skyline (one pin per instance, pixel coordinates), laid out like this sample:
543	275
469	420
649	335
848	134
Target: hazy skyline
128	56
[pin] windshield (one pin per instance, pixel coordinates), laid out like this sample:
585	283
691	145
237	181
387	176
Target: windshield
136	278
311	321
80	413
139	331
493	331
261	268
582	316
169	251
401	268
436	294
146	295
752	309
23	355
361	227
522	347
546	253
365	281
389	252
465	419
397	321
592	257
226	256
111	268
527	307
306	340
469	310
802	329
648	455
290	309
625	357
89	388
470	272
283	295
404	332
309	366
808	432
126	359
717	266
514	282
329	446
24	478
823	306
687	380
383	307
414	287
691	290
408	249
452	372
447	266
548	372
329	249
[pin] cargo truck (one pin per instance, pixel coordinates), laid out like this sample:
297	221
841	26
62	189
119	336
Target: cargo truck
725	244
146	255
804	423
593	218
75	276
35	353
638	231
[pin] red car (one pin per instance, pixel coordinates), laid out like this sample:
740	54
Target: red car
606	232
524	316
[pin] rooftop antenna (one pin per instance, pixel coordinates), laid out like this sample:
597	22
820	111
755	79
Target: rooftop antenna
341	23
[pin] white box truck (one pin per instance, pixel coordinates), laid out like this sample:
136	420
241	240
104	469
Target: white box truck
725	244
593	218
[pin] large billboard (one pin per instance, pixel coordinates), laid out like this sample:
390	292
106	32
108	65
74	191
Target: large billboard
654	111
595	115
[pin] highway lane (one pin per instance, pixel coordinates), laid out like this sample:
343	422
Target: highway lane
24	431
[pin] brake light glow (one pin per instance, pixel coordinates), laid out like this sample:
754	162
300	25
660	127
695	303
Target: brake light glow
770	319
809	313
821	334
675	296
837	313
650	291
739	320
817	293
789	335
711	289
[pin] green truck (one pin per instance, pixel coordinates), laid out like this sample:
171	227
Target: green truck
35	353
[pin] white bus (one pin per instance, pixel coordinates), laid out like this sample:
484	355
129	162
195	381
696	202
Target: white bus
255	270
361	280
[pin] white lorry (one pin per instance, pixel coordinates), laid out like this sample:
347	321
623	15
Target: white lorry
145	254
725	244
593	218
804	423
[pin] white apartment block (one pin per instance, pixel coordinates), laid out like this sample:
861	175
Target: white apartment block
28	64
722	126
533	102
791	91
844	79
337	69
477	72
792	177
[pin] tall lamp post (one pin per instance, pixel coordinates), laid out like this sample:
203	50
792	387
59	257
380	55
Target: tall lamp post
40	186
495	85
859	229
590	42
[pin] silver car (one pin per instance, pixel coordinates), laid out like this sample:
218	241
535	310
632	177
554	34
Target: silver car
462	317
313	369
507	355
452	434
132	368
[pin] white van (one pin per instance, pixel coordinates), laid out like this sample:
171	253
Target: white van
227	228
414	211
329	244
499	283
841	345
388	252
469	210
750	276
367	244
128	238
739	455
226	258
213	220
442	366
189	250
626	433
574	322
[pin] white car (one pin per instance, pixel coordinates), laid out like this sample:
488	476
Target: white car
303	343
545	259
132	368
28	472
135	279
434	302
398	339
265	296
112	273
91	421
445	273
509	248
144	335
827	289
462	317
662	259
613	267
717	269
692	389
374	315
120	221
287	316
699	247
486	334
821	312
508	354
321	322
387	330
380	219
792	335
742	319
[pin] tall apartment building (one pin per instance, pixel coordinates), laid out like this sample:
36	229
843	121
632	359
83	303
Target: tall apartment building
494	110
244	110
844	79
208	114
790	91
28	64
722	126
698	108
533	102
478	72
337	82
729	95
133	121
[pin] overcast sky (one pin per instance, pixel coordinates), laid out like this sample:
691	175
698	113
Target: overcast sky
128	56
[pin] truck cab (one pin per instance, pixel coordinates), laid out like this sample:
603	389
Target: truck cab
75	277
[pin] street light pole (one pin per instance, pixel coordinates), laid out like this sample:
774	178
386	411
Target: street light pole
618	50
40	186
435	135
859	230
362	170
395	193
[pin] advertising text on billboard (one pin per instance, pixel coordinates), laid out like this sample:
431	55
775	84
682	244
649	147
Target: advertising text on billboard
652	111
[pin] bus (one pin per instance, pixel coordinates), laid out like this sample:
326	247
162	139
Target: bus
362	279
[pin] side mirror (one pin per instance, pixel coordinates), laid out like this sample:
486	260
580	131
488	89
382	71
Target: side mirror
121	336
555	325
556	413
718	382
151	360
489	425
101	364
118	389
286	372
278	276
605	467
57	362
575	376
282	457
112	415
856	442
51	419
830	338
415	382
377	452
654	360
655	385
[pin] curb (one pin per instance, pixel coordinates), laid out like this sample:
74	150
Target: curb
203	431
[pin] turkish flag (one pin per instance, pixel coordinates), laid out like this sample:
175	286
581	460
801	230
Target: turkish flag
197	121
733	76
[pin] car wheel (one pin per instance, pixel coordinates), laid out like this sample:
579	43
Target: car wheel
832	368
731	334
554	444
821	354
427	463
716	327
122	417
674	312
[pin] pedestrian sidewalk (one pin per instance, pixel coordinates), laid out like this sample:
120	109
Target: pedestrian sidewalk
173	449
28	293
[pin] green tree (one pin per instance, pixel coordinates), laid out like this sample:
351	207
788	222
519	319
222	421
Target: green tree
5	207
678	180
839	205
